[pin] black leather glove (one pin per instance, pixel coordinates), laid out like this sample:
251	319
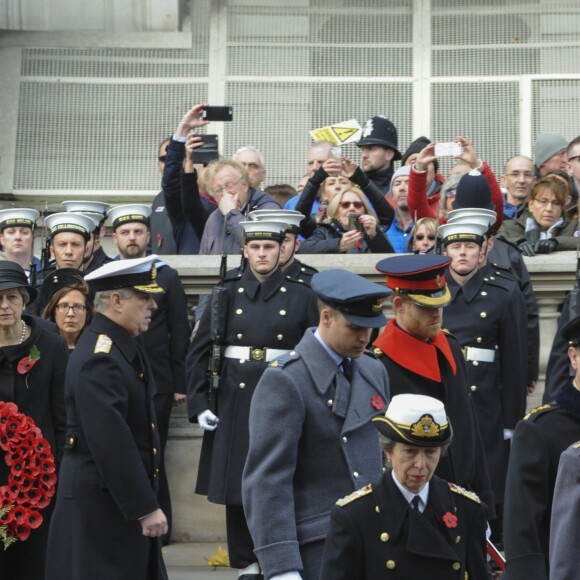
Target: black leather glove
527	248
546	246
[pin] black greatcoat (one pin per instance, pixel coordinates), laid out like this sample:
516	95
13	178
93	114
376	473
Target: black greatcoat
376	534
273	314
108	478
538	441
404	358
489	313
40	395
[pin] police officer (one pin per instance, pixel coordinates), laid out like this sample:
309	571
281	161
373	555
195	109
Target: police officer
538	440
311	437
487	315
290	265
409	523
166	340
97	210
267	315
423	360
107	521
378	151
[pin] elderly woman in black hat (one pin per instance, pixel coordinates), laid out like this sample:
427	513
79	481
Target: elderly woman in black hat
32	374
411	523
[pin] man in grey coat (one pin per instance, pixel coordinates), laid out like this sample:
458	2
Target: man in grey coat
311	437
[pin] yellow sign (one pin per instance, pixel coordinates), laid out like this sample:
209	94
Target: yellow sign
339	134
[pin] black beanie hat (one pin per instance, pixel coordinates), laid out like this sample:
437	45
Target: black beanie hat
473	191
415	147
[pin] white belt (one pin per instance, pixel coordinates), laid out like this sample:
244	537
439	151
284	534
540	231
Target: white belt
478	354
254	353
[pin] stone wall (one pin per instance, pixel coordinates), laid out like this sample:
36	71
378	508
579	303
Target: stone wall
195	519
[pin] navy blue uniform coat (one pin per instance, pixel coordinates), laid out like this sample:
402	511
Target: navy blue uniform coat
378	535
272	314
108	477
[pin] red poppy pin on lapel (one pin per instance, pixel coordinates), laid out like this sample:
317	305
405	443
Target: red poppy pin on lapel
377	402
450	520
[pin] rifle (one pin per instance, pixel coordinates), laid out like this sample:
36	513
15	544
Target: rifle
218	318
45	244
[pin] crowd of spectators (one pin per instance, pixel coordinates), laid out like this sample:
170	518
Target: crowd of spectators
340	205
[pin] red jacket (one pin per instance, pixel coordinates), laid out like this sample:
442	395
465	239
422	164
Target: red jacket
420	206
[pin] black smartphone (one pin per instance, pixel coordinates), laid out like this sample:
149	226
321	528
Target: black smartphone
218	114
353	223
208	152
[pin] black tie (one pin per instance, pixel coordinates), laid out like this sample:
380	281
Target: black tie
415	502
347	369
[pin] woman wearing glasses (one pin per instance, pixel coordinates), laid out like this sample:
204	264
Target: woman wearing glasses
423	236
351	226
68	303
540	227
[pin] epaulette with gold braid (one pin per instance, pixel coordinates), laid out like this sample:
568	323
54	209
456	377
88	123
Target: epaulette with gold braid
537	410
462	491
576	445
103	345
377	351
355	495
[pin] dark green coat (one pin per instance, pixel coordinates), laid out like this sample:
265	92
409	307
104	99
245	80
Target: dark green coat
514	231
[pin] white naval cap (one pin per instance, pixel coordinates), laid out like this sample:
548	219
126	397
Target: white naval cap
289	218
461	231
131	212
87	207
70	222
18	217
137	273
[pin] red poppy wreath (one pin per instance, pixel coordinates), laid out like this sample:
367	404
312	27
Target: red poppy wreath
32	477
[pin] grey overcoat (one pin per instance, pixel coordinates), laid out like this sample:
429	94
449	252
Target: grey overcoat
305	453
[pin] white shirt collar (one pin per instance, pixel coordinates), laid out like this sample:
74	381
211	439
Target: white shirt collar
409	495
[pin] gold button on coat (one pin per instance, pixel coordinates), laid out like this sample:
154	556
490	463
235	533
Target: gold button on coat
239	311
391	564
456	565
242	385
483	314
384	537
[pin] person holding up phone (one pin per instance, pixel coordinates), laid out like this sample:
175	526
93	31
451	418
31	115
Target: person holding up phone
351	226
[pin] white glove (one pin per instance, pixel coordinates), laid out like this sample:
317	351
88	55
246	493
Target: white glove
207	420
287	576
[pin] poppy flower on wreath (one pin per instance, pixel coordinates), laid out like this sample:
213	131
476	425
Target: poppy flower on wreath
450	520
31	480
26	363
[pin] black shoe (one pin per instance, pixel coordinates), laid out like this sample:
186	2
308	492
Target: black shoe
251	577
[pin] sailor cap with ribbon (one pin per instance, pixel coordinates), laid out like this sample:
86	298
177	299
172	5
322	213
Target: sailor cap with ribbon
77	223
289	218
127	213
18	217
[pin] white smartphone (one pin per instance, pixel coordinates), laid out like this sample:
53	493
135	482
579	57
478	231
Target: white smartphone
448	149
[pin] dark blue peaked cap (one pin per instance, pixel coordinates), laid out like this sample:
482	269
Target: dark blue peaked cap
420	277
358	300
571	332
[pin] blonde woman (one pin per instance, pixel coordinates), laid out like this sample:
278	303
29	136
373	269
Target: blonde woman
351	226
